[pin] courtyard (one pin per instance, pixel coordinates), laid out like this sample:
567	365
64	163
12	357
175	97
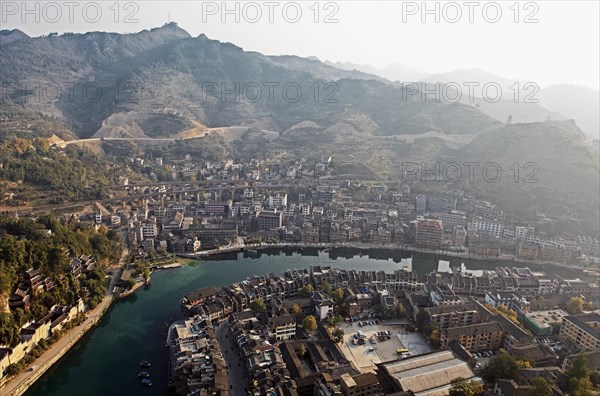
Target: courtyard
366	356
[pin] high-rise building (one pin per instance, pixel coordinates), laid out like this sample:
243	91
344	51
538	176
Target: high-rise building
267	220
420	204
429	233
278	200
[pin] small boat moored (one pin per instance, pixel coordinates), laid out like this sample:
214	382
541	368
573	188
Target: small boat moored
143	374
144	363
146	382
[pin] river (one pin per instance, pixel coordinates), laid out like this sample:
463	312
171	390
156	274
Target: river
105	361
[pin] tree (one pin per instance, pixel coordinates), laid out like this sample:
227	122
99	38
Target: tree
434	337
301	350
462	387
509	313
400	311
575	305
540	387
297	312
338	296
146	273
504	366
258	305
9	330
131	283
306	291
309	323
579	368
326	288
581	387
333	321
338	335
422	320
13	369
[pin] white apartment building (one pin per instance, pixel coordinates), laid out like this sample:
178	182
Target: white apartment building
494	228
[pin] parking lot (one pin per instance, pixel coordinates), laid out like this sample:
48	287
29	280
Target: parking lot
373	351
483	358
551	342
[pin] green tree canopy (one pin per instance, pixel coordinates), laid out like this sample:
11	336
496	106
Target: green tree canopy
338	296
504	366
258	305
297	312
309	323
400	311
326	288
338	335
540	386
579	368
462	387
575	305
306	291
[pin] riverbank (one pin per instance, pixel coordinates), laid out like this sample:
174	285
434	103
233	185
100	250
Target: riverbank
381	251
136	328
19	384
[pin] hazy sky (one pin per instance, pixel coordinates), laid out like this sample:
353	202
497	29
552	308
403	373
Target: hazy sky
560	45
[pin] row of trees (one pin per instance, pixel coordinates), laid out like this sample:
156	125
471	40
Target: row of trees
582	382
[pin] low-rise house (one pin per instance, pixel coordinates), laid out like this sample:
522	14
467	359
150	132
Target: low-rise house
359	385
323	305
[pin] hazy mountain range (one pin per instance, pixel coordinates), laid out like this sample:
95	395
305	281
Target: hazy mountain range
163	82
532	104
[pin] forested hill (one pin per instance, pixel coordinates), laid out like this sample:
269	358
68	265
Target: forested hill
163	79
47	245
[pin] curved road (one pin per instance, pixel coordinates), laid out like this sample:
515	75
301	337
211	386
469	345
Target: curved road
19	384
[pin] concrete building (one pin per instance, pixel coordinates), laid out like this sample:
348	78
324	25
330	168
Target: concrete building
494	228
444	317
543	322
429	233
441	203
459	236
218	208
284	327
148	229
420	204
475	337
267	220
429	374
453	219
278	200
359	385
581	330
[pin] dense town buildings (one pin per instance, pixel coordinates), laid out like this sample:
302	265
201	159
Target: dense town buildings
470	319
242	200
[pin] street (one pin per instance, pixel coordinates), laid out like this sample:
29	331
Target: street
238	379
23	380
